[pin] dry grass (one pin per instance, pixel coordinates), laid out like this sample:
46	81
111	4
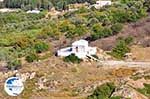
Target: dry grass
71	77
141	53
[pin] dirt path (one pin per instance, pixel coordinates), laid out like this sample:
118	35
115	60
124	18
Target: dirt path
124	63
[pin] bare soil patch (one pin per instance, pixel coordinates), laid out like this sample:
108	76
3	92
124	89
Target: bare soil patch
140	53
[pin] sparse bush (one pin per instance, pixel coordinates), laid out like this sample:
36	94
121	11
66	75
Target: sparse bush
116	28
147	77
129	40
97	31
72	58
145	90
23	42
66	26
120	50
116	97
41	47
107	32
82	10
146	4
95	36
31	57
92	21
13	64
45	32
103	91
100	32
75	32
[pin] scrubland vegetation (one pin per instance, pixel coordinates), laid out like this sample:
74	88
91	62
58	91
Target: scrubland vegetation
145	90
122	47
41	4
27	38
104	92
26	35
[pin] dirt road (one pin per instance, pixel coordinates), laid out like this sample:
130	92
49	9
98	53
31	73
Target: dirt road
125	63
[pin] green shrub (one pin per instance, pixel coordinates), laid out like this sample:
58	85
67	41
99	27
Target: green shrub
41	47
66	26
31	57
145	90
82	10
69	14
49	31
17	17
129	40
120	50
13	64
107	32
4	54
116	28
97	31
116	97
103	91
44	33
146	4
76	31
72	58
147	77
23	42
100	32
119	14
92	21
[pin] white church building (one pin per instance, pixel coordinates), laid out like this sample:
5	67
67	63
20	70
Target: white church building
80	48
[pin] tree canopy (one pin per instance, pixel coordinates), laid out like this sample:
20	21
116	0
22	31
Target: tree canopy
45	4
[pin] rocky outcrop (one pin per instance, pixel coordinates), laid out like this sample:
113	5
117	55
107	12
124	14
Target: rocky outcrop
25	76
128	92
